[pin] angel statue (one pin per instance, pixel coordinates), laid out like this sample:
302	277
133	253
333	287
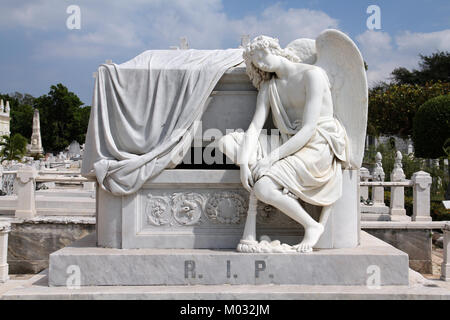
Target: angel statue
317	94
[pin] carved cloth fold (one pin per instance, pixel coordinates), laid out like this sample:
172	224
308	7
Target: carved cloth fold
313	173
143	111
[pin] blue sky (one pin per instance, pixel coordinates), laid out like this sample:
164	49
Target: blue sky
38	50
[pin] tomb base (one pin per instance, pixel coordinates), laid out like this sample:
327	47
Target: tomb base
373	259
207	209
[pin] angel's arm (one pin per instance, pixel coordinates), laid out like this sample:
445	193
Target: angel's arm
259	118
315	88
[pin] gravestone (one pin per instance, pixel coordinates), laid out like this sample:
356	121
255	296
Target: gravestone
182	226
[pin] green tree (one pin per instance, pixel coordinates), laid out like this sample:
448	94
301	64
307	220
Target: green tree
13	148
432	128
392	107
63	119
435	67
21	112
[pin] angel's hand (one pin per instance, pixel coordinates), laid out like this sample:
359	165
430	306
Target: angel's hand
246	178
261	167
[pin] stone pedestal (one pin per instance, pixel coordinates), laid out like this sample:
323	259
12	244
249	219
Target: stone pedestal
372	263
445	268
4	230
343	226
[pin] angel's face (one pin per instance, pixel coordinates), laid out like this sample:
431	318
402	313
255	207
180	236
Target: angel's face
265	60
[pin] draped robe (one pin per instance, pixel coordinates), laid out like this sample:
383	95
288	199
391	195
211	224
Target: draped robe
313	173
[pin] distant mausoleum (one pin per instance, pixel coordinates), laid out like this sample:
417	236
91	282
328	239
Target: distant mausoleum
4	118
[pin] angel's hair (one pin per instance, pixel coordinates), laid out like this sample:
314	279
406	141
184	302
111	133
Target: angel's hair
257	76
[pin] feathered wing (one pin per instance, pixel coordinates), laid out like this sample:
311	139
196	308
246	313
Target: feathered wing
339	56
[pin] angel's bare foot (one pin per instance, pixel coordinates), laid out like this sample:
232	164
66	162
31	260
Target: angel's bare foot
312	235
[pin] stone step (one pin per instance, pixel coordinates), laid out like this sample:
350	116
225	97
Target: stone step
66	193
37	289
65	212
64	202
373	259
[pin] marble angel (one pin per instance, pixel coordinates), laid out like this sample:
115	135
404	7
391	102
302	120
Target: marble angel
316	91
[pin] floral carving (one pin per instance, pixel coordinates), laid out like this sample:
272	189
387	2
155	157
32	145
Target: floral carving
226	207
157	210
187	208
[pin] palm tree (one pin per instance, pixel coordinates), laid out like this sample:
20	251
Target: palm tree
13	148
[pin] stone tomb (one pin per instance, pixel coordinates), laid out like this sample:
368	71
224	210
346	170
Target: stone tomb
198	208
186	224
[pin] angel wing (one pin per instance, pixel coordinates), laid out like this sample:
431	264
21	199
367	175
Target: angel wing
341	59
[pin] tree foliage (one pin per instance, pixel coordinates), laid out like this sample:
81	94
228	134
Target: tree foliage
13	147
62	117
435	67
21	113
392	107
432	127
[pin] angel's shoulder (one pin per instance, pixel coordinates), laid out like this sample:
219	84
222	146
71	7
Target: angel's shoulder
314	71
315	74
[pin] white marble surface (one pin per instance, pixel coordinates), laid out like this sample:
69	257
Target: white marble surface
5	227
100	266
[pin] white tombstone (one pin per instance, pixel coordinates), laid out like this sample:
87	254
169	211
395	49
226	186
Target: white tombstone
4	230
364	176
445	268
398	212
378	175
26	185
421	189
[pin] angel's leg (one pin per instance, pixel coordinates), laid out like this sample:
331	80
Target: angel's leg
270	192
230	147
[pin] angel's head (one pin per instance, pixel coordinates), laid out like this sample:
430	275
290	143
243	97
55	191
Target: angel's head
261	57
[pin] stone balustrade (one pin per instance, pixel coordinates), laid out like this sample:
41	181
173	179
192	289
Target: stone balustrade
376	209
4	230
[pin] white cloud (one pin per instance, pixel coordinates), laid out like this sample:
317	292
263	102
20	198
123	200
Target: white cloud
112	26
383	53
424	42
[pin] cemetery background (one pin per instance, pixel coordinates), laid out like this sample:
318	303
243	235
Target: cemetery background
65	208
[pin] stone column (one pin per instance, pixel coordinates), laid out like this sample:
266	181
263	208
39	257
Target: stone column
398	212
1	177
378	175
421	193
36	142
4	230
26	186
445	268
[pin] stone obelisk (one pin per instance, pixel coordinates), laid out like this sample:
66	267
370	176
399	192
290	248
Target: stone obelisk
36	142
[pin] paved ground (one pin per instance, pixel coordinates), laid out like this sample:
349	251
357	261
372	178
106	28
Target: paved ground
36	287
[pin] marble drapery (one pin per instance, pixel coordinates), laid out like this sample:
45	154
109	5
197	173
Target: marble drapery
143	109
313	173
